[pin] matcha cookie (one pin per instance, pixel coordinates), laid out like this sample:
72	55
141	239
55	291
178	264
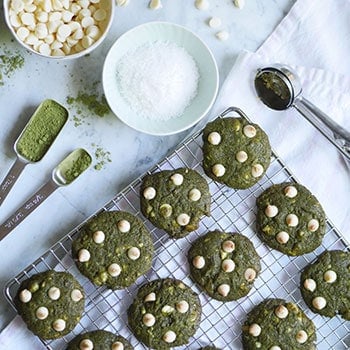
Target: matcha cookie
50	303
224	265
276	324
290	219
325	284
235	152
113	249
175	200
164	314
99	340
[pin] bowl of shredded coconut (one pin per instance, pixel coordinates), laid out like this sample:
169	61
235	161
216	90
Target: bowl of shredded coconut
160	78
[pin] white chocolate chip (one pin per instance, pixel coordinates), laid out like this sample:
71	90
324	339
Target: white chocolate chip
134	253
228	265
45	49
86	344
249	131
117	346
114	270
198	262
22	33
166	210
195	195
93	32
254	330
319	303
87	41
98	237
84	255
183	219
169	337
214	22
202	4
330	276
54	293
27	19
149	193
271	211
250	274
124	226
257	170
290	191
301	337
281	311
224	290
223	35
292	220
239	3
177	179
228	246
218	170
100	15
214	138
275	347
167	309
42	312
150	297
313	225
25	296
310	284
148	320
282	237
59	325
76	295
182	306
155	4
241	156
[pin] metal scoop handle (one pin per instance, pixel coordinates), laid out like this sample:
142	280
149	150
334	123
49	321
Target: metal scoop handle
11	178
30	205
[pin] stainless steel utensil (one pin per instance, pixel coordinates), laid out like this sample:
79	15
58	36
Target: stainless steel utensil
279	88
64	174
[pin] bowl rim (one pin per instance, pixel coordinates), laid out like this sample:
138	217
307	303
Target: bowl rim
216	73
66	57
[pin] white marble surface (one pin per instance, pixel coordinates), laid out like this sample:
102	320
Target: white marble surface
131	153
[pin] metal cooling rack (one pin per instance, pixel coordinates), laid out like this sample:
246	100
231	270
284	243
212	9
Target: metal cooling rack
232	211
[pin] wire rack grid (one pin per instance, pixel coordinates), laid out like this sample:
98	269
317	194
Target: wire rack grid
231	211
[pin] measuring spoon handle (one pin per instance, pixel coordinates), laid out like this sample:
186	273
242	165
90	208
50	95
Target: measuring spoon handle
11	178
30	205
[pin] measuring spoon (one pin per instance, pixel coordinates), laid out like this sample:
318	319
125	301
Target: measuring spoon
64	174
35	140
279	88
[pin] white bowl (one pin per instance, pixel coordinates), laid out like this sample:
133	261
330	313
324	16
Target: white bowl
166	32
108	5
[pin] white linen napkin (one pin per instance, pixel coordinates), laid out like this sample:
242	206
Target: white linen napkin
314	38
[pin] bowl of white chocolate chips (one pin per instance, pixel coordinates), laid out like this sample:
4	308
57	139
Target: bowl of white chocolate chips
59	28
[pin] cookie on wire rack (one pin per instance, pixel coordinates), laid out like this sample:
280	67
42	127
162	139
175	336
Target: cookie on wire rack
113	249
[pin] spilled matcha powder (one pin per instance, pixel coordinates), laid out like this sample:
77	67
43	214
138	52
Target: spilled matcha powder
102	157
9	63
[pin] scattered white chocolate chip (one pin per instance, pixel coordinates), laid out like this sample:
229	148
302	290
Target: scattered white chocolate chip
228	246
313	225
290	191
202	4
98	237
310	284
148	320
319	303
249	274
150	297
281	311
183	219
86	344
76	295
330	276
122	2
134	253
271	211
84	255
254	330
228	265
257	170
224	289
167	309
182	306
155	4
124	226
239	3
214	138
42	312
292	220
195	195
169	337
114	270
117	346
214	22
149	193
218	170
198	262
177	179
59	325
223	35
54	293
282	237
301	337
249	131
241	156
25	296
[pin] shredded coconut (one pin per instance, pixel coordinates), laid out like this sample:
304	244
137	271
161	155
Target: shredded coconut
158	80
